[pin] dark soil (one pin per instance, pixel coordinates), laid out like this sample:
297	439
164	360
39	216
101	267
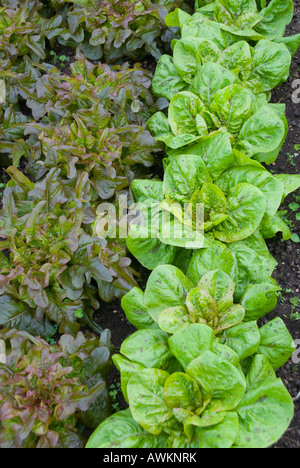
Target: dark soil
62	57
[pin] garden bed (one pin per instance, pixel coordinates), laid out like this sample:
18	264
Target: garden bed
110	315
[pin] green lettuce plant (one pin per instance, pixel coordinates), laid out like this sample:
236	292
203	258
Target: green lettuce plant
51	264
254	127
174	300
191	210
195	371
113	30
198	373
248	263
49	393
193	390
260	68
251	19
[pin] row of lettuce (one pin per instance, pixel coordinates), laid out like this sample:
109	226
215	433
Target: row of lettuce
200	371
92	137
68	143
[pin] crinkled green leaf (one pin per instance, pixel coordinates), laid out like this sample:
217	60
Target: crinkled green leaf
276	343
262	133
216	257
194	340
246	208
189	53
122	431
134	307
202	307
244	339
181	391
220	286
233	106
266	410
216	152
146	399
266	182
209	79
220	382
174	319
167	81
270	66
147	347
260	299
276	16
127	368
237	58
167	286
183	176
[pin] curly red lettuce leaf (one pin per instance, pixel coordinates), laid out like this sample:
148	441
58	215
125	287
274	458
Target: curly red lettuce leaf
45	406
